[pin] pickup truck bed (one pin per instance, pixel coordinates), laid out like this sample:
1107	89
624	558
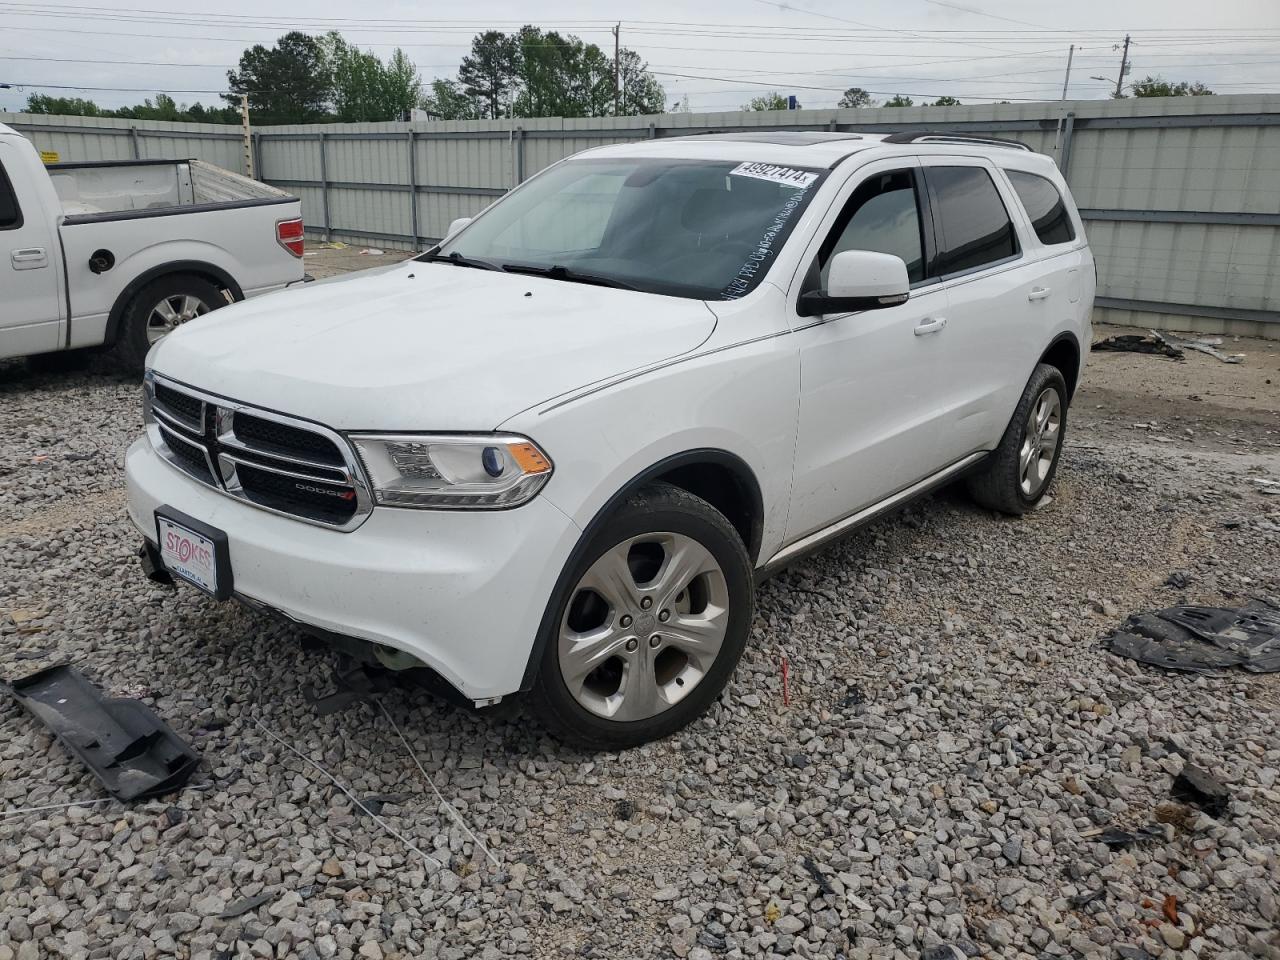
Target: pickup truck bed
92	188
99	254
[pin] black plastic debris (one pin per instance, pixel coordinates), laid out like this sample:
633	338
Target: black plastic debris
1082	900
241	907
1203	639
1135	343
824	885
1195	787
1118	839
349	687
375	802
130	749
854	697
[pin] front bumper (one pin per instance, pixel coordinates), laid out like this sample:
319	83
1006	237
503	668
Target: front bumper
464	591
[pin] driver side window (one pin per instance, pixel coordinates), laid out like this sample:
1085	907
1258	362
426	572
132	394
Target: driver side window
882	216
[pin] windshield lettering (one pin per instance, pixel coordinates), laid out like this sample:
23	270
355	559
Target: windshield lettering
741	283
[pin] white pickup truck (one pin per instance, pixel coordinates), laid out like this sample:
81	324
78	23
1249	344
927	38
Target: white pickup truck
118	253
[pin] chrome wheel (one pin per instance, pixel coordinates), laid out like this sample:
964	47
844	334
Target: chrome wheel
643	626
1039	442
172	311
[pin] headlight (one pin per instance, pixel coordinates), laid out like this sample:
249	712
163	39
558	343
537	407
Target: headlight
452	471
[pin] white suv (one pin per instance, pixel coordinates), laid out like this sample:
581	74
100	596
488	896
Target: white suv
555	453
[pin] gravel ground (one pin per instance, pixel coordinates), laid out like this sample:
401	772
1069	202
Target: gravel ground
954	737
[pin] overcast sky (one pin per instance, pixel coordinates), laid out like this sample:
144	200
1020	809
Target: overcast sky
719	53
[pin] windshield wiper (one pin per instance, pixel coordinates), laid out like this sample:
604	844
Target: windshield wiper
458	260
559	272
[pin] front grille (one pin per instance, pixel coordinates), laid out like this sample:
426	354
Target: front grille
182	407
189	456
272	436
328	503
274	462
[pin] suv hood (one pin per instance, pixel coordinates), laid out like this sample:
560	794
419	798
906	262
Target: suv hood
426	346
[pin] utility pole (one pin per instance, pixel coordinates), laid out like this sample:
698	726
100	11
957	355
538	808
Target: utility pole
617	56
248	136
1124	67
1066	82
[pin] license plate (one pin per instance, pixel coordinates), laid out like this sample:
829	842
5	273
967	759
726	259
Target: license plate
195	552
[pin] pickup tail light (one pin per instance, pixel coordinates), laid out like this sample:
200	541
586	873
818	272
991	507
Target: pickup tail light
289	235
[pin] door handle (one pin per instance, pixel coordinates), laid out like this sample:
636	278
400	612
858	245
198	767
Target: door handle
1039	293
926	327
29	258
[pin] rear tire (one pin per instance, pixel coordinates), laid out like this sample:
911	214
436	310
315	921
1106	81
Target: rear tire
647	625
1021	469
157	309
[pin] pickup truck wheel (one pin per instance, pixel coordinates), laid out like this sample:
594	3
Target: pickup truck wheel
160	307
653	621
1021	469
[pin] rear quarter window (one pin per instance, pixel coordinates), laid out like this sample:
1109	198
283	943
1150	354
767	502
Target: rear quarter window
1045	207
10	212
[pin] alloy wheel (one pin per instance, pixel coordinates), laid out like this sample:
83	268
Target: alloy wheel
171	312
1039	442
643	626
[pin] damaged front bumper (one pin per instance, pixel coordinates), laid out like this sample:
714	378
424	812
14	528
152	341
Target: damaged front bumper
462	591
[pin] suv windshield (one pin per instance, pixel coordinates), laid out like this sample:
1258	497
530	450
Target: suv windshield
688	228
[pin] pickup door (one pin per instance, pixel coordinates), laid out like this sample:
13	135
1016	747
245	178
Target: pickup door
30	294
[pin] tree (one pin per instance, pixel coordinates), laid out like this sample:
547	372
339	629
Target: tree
856	97
1160	87
770	101
448	101
164	108
946	102
488	73
536	73
402	87
898	100
558	76
64	106
289	83
365	89
641	91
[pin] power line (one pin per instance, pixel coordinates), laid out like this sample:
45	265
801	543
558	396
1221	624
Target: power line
87	11
887	34
165	63
800	86
979	13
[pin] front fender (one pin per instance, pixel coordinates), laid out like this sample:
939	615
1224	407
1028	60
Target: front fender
740	400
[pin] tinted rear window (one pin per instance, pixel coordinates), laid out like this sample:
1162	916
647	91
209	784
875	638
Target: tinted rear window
973	227
10	215
1044	206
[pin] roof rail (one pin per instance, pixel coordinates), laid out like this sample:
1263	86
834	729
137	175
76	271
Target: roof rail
939	136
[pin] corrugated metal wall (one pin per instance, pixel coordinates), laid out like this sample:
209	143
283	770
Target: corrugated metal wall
1181	195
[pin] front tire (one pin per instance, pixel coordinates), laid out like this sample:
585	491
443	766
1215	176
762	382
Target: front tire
648	624
1021	469
159	308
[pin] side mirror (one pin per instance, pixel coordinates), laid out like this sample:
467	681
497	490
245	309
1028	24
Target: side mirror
455	227
859	280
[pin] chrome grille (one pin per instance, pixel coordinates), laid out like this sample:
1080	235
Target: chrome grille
275	462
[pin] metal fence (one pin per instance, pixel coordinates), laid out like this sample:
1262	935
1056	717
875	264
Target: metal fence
1181	196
